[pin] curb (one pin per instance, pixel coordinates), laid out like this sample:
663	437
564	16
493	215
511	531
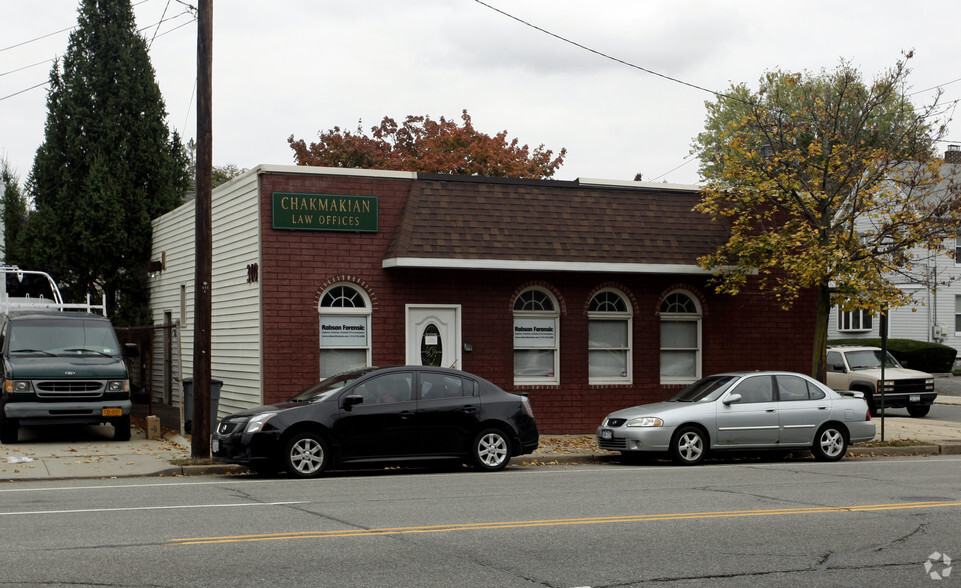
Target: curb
948	448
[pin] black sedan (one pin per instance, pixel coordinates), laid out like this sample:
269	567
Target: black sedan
381	415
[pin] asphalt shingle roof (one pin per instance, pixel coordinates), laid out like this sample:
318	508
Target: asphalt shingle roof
552	221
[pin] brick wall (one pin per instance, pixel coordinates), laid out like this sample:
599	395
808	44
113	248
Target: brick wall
746	332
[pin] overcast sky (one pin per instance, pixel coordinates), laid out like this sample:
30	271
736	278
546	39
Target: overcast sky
296	67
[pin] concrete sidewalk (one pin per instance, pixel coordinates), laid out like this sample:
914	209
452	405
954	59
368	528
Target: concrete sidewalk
88	452
46	453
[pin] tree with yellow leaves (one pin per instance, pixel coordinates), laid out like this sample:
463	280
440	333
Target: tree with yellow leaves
827	183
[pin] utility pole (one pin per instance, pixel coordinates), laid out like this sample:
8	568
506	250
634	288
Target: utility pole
200	428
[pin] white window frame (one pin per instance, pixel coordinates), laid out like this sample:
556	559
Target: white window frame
846	319
626	315
360	314
552	317
957	314
695	317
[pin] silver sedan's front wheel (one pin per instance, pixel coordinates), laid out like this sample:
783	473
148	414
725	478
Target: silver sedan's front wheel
830	444
491	450
306	455
689	446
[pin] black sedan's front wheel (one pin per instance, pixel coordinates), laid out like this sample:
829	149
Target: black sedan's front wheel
306	455
491	450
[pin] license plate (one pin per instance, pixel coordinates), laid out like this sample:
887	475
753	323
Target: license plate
112	412
914	398
215	445
607	434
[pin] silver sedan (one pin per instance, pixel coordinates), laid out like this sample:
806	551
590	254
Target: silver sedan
742	411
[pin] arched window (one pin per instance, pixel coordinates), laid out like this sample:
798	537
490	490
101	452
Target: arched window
344	329
536	338
680	338
609	339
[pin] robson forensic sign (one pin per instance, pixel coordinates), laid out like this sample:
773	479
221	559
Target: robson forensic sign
324	212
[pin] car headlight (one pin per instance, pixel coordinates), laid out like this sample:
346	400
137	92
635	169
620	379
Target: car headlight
17	386
645	422
256	424
118	386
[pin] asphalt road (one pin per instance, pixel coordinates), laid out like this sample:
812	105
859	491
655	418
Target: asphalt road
866	522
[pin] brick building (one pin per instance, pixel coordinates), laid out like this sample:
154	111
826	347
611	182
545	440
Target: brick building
584	294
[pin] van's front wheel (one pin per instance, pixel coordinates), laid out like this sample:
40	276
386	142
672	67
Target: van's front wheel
121	429
9	428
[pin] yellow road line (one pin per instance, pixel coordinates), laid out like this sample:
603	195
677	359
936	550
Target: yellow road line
557	522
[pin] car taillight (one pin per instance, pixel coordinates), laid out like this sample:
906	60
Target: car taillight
527	406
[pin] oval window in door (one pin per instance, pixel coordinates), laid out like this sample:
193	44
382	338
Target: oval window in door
431	347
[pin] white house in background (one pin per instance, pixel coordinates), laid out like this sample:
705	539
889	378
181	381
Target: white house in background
935	315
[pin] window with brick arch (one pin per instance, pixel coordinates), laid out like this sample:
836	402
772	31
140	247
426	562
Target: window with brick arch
536	338
344	329
680	338
609	320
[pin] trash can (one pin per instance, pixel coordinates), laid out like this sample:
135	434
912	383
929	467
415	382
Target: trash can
188	384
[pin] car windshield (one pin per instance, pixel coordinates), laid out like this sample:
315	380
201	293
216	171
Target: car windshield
326	388
869	359
704	390
62	337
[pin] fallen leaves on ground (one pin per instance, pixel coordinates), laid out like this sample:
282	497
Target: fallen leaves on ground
568	444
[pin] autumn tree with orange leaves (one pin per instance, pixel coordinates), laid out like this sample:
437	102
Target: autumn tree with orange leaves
421	144
831	184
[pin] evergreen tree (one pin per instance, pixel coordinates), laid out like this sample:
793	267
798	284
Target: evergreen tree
107	166
14	206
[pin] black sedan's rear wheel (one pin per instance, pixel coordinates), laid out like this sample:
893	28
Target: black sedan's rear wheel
830	444
306	455
491	450
689	446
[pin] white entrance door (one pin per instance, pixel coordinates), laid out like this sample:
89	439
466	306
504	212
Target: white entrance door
433	335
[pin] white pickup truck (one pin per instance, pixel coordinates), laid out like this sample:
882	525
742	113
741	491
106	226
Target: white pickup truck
852	367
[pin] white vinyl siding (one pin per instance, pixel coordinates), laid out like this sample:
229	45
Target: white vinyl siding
236	350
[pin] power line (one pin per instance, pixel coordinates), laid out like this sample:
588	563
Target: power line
150	44
688	159
601	54
141	30
25	90
38	38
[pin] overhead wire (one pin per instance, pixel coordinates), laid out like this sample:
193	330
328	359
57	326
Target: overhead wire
162	15
716	93
141	30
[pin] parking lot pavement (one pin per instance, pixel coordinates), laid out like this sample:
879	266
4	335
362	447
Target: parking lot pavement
62	452
948	385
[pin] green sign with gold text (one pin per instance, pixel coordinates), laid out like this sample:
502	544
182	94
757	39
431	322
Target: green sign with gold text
324	212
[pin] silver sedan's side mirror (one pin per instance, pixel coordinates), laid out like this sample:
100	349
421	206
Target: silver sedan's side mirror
732	399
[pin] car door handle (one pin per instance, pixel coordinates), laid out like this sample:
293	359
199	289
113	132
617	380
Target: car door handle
769	410
405	414
822	407
470	408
